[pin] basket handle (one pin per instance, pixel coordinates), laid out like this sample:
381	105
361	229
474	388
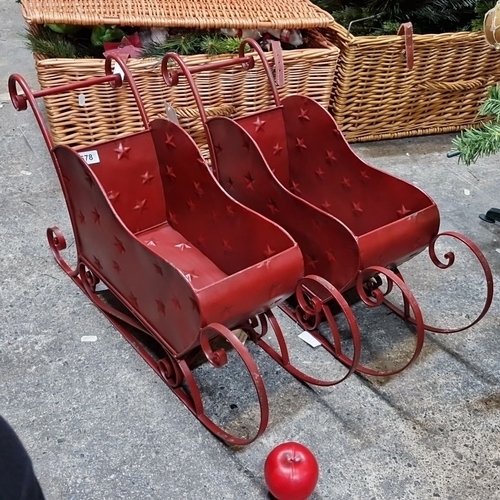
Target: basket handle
459	85
20	101
406	29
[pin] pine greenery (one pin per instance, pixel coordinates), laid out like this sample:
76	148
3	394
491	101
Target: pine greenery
474	143
427	16
50	44
190	43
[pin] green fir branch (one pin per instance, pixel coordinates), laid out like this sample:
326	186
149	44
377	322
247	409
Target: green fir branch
475	143
49	44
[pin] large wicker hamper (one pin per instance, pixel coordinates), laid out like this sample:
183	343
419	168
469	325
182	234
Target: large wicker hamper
379	94
230	91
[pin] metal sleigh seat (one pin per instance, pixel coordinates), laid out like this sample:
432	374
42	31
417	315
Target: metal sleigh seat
154	227
353	222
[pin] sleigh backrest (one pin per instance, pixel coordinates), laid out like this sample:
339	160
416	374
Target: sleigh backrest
267	129
128	170
332	176
197	207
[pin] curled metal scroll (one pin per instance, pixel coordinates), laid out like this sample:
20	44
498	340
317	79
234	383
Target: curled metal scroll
218	359
446	263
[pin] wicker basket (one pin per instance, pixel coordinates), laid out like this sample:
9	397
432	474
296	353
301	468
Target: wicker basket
379	94
309	70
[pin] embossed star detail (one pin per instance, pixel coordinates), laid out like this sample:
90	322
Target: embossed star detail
218	149
191	276
169	141
230	183
89	180
133	300
300	144
141	205
272	206
81	217
330	157
295	188
147	178
182	246
119	245
121	151
160	306
269	252
113	196
198	189
170	172
176	302
312	261
320	172
229	210
259	124
346	183
227	246
158	269
365	175
403	211
96	216
331	256
191	205
172	218
117	267
151	243
250	181
303	115
277	149
227	310
97	263
356	208
326	205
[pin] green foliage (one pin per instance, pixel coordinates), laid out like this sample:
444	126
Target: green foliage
427	16
474	143
64	29
49	44
102	34
215	44
183	44
190	43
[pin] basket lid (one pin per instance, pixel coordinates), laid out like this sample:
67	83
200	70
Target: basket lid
197	14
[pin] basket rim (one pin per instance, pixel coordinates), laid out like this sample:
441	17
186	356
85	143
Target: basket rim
197	14
351	39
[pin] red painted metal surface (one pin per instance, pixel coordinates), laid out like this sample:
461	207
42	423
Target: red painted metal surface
152	225
354	223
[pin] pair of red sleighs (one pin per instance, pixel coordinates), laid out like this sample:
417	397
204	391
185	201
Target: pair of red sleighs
286	215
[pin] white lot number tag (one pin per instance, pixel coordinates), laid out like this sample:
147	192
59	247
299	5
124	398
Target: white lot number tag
309	339
90	157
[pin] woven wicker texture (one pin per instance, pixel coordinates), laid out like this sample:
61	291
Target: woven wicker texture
375	95
109	113
185	14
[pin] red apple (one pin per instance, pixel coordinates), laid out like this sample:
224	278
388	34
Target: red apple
291	472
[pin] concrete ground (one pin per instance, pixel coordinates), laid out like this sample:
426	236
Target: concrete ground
99	424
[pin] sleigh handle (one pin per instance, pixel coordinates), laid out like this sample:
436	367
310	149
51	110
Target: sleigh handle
20	101
171	77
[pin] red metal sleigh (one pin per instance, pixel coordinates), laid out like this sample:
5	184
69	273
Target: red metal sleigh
154	227
354	223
